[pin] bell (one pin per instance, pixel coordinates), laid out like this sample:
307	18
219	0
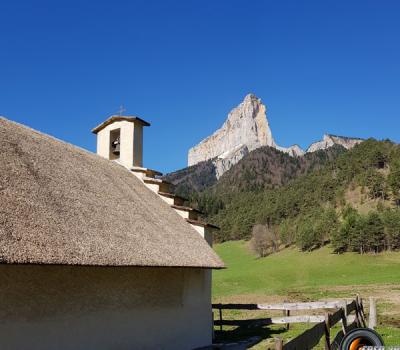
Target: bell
115	146
116	149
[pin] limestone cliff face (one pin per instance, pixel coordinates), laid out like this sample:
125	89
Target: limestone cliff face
246	129
331	140
226	161
246	126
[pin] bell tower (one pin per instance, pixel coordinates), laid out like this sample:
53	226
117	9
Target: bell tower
120	138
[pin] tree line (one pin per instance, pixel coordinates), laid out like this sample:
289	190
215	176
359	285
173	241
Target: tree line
313	210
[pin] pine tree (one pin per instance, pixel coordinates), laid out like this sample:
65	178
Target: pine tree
391	219
374	232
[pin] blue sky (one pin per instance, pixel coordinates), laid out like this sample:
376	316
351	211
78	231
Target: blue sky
319	66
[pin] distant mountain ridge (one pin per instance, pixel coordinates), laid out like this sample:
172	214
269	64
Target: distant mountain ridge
331	140
246	129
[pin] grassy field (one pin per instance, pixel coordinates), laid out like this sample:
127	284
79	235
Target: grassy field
291	275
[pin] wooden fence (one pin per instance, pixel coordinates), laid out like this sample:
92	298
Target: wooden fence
341	311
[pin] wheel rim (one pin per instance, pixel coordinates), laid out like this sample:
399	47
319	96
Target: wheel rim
355	344
358	344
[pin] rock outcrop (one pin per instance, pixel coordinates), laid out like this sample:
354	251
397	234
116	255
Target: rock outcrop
331	140
246	129
246	126
294	151
227	160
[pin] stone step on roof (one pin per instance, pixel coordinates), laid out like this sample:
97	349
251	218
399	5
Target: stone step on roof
202	224
157	185
190	215
186	212
172	198
171	195
146	171
150	180
189	209
205	230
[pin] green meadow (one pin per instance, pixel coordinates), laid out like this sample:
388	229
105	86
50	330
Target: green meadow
291	275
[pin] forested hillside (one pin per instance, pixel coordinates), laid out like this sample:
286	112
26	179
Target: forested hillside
348	198
264	168
193	179
268	168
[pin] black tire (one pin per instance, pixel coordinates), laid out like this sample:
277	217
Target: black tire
359	338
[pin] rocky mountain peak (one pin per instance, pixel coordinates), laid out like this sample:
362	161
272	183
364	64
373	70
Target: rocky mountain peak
246	126
250	97
246	129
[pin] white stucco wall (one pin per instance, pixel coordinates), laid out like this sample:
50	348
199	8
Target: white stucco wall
206	232
131	147
58	307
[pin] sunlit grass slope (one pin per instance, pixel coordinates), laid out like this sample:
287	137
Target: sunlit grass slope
292	271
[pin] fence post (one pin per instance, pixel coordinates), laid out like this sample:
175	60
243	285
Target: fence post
212	327
358	318
364	317
286	313
220	317
372	322
344	320
278	344
359	312
327	332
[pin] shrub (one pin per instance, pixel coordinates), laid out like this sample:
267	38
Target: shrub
263	241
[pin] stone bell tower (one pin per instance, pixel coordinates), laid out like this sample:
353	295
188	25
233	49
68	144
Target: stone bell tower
120	138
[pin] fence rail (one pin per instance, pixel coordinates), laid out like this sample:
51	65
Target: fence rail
283	306
340	312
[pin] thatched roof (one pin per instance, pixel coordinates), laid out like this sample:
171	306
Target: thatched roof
60	204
